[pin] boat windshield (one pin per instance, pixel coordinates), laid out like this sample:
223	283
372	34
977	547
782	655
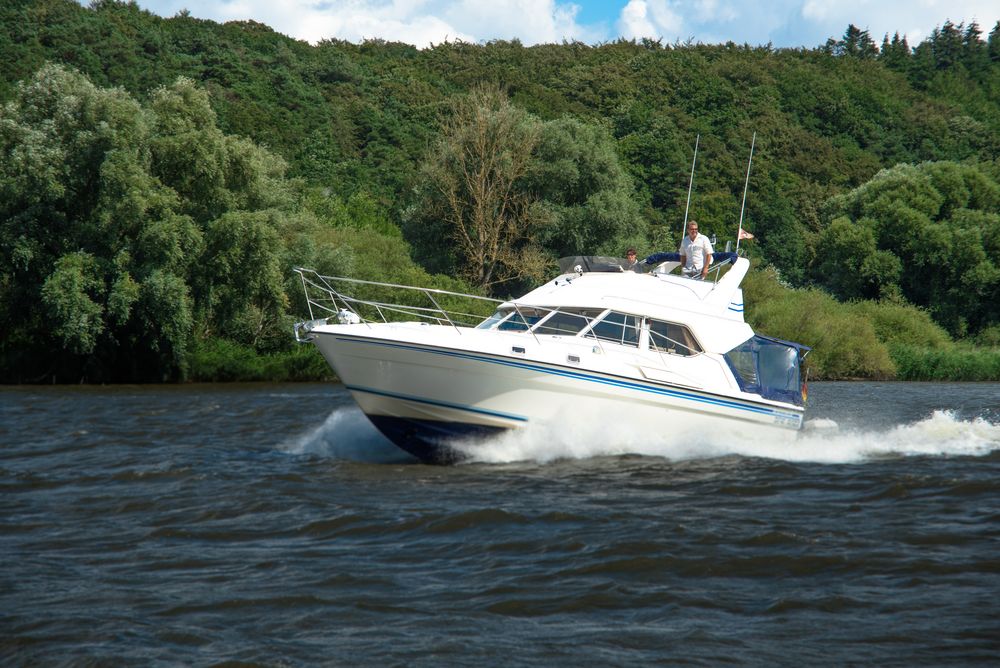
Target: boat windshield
768	367
513	320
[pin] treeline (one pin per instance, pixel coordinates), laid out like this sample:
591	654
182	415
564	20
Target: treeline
159	184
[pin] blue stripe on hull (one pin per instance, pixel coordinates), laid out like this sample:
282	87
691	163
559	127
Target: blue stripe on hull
432	402
428	440
786	418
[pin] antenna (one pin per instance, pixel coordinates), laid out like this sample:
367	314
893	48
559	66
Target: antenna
690	183
739	232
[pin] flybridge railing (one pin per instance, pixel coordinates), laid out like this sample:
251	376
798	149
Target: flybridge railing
352	300
327	298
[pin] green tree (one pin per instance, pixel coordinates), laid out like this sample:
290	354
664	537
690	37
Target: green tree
473	187
856	43
896	54
585	192
993	44
932	226
115	243
947	45
849	264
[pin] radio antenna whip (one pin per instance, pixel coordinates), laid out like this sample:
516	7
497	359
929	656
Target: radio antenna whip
739	232
690	183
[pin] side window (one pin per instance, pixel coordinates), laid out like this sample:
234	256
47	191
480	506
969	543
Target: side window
491	321
517	323
568	323
769	368
618	328
743	361
668	337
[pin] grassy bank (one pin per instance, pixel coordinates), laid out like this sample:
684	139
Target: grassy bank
219	360
957	363
869	340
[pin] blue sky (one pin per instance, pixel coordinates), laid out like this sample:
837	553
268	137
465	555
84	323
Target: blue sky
784	23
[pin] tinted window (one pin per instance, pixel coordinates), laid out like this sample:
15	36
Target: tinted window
492	320
617	328
567	323
779	367
520	321
768	367
668	337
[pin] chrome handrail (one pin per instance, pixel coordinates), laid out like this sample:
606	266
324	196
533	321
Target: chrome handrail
325	298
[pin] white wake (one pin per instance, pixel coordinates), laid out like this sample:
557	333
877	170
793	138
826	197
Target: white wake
346	434
941	434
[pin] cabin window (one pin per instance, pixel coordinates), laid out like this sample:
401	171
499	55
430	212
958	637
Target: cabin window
768	367
669	337
616	327
511	320
491	321
568	322
521	320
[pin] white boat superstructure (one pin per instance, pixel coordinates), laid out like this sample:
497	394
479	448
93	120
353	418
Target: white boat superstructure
659	351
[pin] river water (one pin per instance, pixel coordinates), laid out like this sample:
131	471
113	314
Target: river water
272	525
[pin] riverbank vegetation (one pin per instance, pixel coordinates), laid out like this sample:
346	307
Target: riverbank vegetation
160	178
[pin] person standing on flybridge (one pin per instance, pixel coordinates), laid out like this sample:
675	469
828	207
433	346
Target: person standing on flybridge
696	253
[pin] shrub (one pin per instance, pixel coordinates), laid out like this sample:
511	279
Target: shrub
845	344
958	363
221	360
896	322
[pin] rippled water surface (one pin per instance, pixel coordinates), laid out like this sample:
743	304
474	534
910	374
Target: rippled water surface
272	525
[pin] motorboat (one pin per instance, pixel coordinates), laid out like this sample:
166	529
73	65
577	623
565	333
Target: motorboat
439	373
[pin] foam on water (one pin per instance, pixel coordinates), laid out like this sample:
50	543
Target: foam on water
346	434
940	434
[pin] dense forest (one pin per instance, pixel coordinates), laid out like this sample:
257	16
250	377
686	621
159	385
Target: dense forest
159	178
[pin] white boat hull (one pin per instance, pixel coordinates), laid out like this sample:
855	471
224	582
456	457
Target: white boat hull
426	389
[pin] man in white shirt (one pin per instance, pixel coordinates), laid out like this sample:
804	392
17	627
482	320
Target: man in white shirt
696	253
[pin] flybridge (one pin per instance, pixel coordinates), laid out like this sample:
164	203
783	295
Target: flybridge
657	263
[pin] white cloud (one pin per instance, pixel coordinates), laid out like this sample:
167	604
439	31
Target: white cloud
711	11
914	19
419	22
423	22
650	18
531	21
411	21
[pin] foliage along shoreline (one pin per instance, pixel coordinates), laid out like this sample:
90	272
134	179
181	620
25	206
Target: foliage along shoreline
158	184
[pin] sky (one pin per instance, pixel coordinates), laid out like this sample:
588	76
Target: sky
782	23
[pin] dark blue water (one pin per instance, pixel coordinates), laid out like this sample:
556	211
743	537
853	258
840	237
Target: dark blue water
270	525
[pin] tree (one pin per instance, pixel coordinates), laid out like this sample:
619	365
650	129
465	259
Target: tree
856	43
947	43
513	192
586	193
896	54
472	183
122	227
849	264
931	228
975	55
993	44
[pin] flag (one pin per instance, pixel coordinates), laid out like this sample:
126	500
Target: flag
744	234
